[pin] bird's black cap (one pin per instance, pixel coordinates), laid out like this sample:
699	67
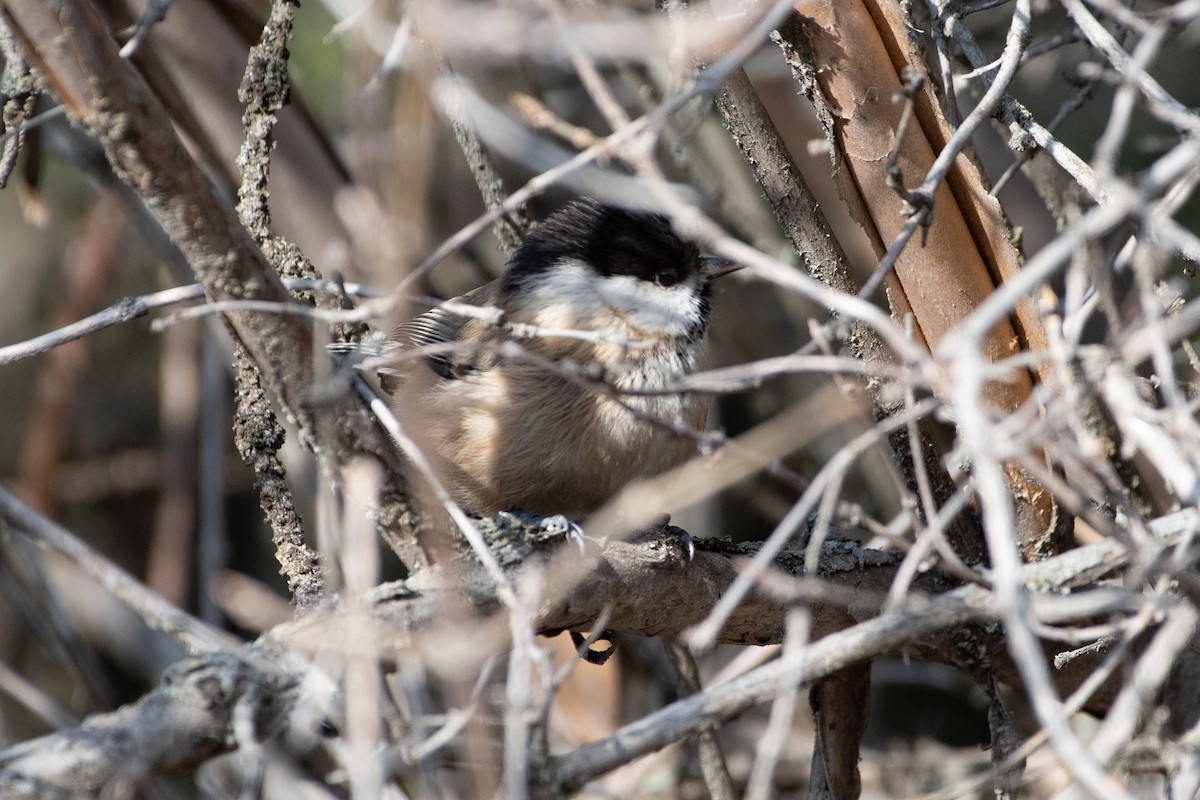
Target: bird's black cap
613	240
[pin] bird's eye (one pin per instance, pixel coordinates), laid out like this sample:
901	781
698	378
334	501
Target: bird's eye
666	277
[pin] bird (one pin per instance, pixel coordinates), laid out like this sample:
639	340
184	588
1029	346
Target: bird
614	307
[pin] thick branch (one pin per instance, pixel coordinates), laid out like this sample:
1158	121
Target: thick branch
70	45
73	50
190	717
650	588
808	230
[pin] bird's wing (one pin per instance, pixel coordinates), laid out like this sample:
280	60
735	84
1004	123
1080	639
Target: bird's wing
435	329
444	334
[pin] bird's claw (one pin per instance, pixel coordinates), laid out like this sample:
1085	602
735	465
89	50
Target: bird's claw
561	526
686	541
662	524
553	527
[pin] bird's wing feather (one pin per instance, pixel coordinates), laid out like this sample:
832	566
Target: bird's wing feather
439	329
432	329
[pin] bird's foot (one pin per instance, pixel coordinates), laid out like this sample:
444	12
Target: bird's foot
549	528
662	525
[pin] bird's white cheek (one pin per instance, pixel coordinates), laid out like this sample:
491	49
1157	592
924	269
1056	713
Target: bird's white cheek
572	295
673	310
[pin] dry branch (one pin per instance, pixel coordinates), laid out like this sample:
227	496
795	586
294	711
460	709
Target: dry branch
964	251
79	61
193	64
808	230
196	711
77	58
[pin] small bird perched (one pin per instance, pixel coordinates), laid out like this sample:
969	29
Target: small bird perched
533	428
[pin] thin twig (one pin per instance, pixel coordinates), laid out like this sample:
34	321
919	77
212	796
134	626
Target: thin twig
195	635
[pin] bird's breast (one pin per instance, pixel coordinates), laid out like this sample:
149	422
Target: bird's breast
530	434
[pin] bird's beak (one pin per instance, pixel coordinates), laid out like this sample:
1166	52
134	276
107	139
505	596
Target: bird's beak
712	267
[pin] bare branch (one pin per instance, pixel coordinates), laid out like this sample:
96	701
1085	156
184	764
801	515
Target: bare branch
193	634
